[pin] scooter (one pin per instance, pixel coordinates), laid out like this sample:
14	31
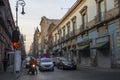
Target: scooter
32	69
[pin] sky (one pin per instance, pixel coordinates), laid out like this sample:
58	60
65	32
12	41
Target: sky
34	10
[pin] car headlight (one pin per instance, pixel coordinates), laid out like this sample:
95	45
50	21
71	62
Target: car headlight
52	65
65	63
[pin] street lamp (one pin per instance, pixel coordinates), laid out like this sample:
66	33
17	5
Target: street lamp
22	3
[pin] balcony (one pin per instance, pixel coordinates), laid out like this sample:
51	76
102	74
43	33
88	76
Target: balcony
59	41
81	28
77	32
5	25
54	43
67	36
107	16
50	45
72	34
2	3
2	19
63	39
112	13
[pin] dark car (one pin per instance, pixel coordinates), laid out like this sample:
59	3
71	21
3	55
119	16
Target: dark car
56	60
65	64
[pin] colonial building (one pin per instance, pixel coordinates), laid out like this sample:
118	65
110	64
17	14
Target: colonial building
44	24
50	38
7	25
36	43
89	33
22	46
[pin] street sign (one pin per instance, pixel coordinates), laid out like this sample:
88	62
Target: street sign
11	52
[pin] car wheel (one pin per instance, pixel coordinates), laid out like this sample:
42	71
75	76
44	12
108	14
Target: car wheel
58	67
63	67
53	69
75	68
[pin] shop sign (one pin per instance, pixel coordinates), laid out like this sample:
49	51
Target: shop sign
102	39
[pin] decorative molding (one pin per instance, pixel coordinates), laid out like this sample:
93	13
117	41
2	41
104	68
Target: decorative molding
74	19
68	23
83	10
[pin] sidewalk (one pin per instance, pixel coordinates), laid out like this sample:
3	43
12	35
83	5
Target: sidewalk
81	67
8	75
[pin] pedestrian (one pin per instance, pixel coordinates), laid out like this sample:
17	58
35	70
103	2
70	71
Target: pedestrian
5	62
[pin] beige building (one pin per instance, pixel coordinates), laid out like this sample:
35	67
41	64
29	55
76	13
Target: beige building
44	24
36	43
89	33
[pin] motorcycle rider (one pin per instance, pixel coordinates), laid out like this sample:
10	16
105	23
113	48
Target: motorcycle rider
32	62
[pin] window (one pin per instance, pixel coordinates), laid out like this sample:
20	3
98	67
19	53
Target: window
59	32
68	28
55	37
74	24
109	4
84	17
64	31
101	9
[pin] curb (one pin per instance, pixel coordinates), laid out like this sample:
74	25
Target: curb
97	68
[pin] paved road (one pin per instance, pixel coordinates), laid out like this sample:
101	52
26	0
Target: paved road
81	74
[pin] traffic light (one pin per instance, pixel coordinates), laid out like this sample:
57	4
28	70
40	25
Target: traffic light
15	36
15	45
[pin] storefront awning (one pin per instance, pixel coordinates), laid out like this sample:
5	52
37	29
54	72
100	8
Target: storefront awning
55	51
59	50
85	47
100	45
64	48
72	49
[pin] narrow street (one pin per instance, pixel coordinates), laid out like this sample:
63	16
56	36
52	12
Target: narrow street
83	35
80	74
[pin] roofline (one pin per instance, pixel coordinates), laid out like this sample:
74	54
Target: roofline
69	12
42	18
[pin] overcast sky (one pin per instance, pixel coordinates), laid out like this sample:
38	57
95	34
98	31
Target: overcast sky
34	10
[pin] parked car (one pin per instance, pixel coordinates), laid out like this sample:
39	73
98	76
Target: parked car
65	64
25	63
46	64
57	60
38	61
54	59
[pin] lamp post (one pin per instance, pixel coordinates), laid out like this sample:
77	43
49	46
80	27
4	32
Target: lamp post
21	3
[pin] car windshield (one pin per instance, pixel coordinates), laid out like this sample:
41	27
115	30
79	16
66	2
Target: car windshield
46	60
63	59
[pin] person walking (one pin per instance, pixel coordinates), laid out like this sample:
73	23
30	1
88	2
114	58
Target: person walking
5	62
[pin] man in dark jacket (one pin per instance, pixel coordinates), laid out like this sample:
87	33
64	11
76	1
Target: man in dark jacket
5	62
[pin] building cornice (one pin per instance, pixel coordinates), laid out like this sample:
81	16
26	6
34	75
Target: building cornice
77	3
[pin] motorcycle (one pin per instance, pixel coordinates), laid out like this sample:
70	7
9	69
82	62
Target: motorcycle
32	69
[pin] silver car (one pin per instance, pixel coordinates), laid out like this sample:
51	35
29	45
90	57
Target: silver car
46	64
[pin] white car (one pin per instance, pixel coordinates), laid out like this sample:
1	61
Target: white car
46	64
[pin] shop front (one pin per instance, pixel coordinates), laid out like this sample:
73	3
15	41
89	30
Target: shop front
84	54
102	48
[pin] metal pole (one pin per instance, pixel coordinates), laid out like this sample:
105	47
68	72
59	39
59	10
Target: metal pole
14	66
17	14
22	3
